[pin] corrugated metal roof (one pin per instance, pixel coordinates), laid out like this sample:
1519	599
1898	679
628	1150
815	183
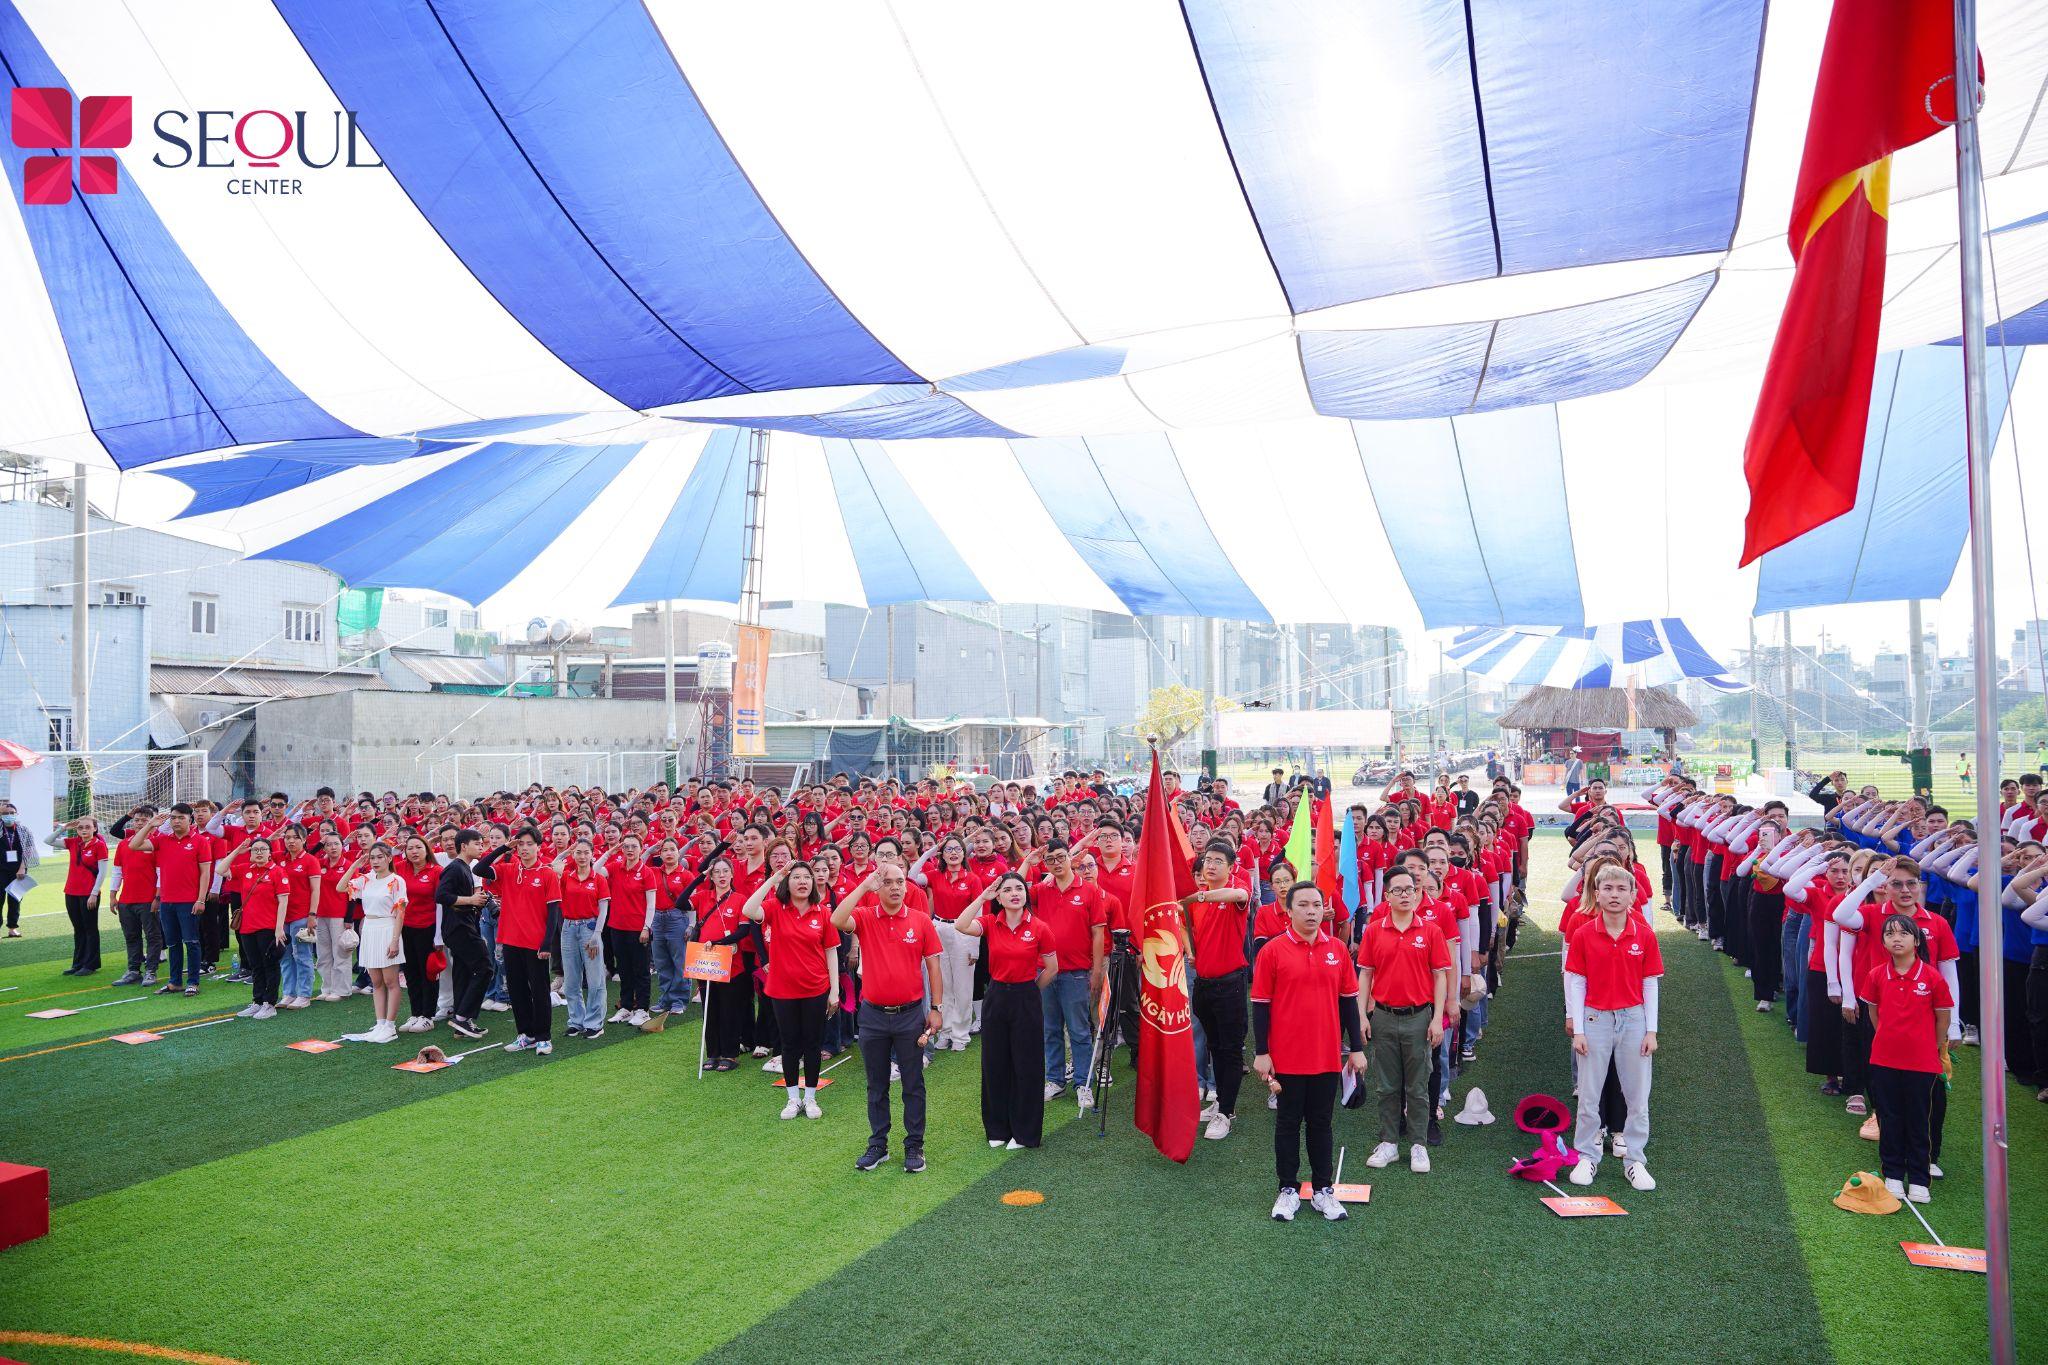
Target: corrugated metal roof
451	669
244	681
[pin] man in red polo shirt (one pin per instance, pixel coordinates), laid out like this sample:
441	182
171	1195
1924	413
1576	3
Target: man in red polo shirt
1216	922
1078	912
1612	968
1304	1001
901	996
184	874
1404	975
135	899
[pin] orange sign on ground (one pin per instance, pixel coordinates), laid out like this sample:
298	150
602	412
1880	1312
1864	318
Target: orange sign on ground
417	1065
1936	1257
314	1045
139	1036
1585	1206
708	962
1347	1193
823	1081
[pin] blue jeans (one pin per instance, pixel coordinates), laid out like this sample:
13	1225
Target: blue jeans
669	937
487	925
180	925
583	977
295	966
1795	941
1203	1079
1067	1025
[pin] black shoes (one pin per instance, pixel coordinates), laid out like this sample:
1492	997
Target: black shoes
913	1163
1436	1133
872	1158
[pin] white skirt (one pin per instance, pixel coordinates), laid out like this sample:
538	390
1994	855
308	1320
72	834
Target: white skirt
379	939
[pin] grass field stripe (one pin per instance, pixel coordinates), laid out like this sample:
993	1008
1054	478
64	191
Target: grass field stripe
129	1348
104	1004
57	995
5	989
88	1042
836	1061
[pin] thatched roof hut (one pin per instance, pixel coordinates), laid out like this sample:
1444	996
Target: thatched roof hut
1598	708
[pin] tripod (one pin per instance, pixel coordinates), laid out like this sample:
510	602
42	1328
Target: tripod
1121	998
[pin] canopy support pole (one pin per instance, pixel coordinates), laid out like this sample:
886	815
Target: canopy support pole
81	618
757	525
668	667
1990	915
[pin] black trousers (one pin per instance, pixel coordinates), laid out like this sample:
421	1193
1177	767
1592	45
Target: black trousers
1304	1099
1696	893
1823	1027
1735	918
886	1038
1013	1063
1856	1052
1664	858
800	1023
139	928
1970	998
526	984
1219	1005
215	924
421	991
632	960
1766	958
85	933
468	958
728	1007
259	959
2020	1060
1903	1101
2037	1003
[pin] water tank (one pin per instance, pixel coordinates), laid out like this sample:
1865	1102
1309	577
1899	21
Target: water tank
714	666
537	630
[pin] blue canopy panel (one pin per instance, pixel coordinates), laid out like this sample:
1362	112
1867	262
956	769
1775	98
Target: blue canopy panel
898	547
223	485
2021	329
1653	652
161	366
895	412
560	153
1474	508
485	428
1125	506
1387	148
1572	352
466	529
698	553
1055	367
1904	535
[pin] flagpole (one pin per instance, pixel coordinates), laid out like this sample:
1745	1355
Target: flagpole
1990	915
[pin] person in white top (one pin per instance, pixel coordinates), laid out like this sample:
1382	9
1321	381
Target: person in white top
381	893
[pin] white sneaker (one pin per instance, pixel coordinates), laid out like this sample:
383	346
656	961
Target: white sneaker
265	1012
1933	1171
811	1109
1639	1176
498	1006
1418	1159
416	1025
555	1000
1763	1007
1210	1094
1013	1146
1917	1194
773	1066
442	1016
1218	1129
619	1016
1969	1035
1620	1145
794	1107
637	1018
1285	1205
1326	1202
1053	1090
995	1144
1383	1156
544	1048
296	1002
362	1037
366	990
1085	1097
760	1052
385	1032
1896	1188
1209	1111
247	1011
1582	1174
519	1044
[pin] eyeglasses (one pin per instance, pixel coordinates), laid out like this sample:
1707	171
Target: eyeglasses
1404	891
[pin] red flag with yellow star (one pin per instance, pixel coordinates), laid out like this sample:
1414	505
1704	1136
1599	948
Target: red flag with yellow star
1169	1102
1887	80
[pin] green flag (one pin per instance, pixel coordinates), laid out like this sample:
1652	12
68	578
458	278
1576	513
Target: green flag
1301	836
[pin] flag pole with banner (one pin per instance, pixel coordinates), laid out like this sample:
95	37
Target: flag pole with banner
1169	1101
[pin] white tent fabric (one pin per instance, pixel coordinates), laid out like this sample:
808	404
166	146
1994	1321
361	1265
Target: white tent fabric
1647	653
1236	307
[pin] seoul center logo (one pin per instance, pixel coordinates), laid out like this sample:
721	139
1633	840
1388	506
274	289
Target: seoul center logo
42	117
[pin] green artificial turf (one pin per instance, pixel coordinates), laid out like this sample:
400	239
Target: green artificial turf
217	1192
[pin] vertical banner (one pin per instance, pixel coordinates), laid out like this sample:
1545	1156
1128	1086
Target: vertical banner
750	693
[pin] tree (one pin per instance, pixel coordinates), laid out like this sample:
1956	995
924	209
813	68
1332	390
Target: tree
1174	712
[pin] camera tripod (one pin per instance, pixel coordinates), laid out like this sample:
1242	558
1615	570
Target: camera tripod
1121	972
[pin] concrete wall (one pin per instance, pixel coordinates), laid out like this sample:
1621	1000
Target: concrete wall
35	674
381	741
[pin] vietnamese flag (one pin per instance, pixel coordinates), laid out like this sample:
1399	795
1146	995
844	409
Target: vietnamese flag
1169	1102
1886	81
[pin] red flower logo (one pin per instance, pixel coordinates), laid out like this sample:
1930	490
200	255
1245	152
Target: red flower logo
42	118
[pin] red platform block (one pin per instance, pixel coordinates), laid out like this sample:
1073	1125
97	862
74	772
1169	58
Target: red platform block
24	1204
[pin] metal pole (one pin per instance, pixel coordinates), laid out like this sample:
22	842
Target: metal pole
1918	702
1990	916
668	668
81	618
1785	636
1754	751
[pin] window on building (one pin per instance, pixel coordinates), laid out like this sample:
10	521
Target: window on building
205	616
437	618
469	620
114	595
302	625
60	730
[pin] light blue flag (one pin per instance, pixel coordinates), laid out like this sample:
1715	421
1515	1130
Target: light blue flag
1347	864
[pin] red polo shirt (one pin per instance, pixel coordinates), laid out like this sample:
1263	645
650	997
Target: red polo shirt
1615	967
892	953
177	865
1073	915
86	856
581	894
262	889
1404	962
1301	983
523	896
797	945
1219	937
630	886
1905	1039
1014	954
950	892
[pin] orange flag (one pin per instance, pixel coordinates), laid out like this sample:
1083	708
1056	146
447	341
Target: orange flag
1886	81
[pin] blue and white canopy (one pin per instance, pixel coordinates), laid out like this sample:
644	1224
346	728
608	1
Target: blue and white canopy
1630	654
1247	307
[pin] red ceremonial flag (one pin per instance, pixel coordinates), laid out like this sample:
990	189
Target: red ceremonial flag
1169	1100
1886	81
1329	876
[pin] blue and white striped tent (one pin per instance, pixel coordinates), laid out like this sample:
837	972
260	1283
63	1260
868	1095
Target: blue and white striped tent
1649	653
1239	307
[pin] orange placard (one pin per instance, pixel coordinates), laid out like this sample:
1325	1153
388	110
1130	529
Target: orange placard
1347	1193
1936	1257
314	1045
51	1014
823	1081
1585	1206
419	1066
708	962
139	1036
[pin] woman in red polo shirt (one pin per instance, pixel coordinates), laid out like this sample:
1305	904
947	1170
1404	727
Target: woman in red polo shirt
260	927
1909	1006
629	934
803	975
422	874
726	1003
86	852
1612	968
952	885
1022	962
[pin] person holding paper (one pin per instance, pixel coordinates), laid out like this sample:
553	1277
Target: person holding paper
1612	968
17	856
1304	999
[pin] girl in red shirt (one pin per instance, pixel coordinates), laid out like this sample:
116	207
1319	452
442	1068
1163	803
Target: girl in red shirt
87	854
1909	1005
803	975
726	1003
419	930
259	929
1022	962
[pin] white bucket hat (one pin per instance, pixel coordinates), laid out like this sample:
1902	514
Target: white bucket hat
1475	1113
